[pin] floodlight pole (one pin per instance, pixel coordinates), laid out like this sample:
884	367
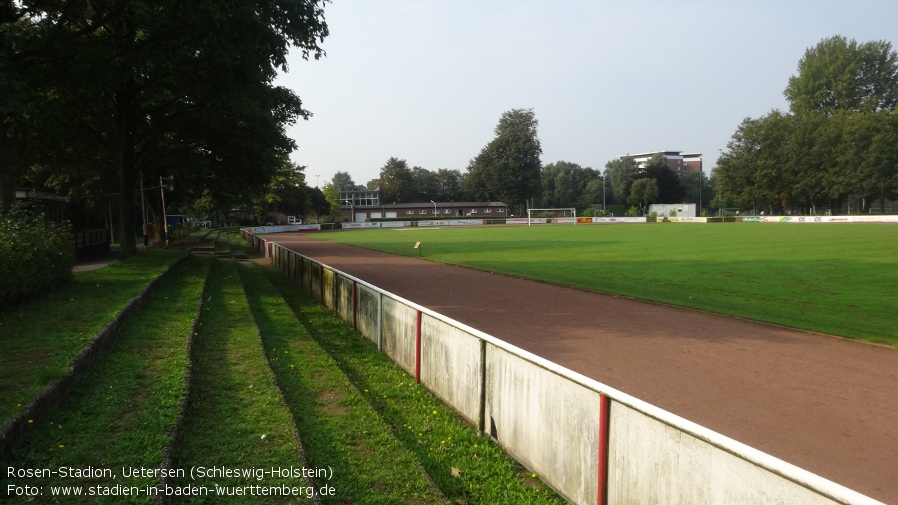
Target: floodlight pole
351	211
434	209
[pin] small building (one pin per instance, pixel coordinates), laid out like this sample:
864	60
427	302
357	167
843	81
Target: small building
678	161
681	209
360	206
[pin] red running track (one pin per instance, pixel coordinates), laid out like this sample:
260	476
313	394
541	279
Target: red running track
826	404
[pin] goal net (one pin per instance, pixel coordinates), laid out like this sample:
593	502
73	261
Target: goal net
557	215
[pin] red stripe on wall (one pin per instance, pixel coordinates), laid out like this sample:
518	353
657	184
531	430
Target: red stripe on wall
604	420
418	347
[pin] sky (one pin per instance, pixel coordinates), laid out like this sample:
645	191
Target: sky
427	80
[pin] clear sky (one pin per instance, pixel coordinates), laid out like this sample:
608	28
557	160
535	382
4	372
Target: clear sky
427	80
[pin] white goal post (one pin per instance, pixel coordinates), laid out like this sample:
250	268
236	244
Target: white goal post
556	215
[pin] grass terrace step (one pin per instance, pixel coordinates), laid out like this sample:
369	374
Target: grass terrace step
238	245
339	427
39	338
122	414
468	468
236	418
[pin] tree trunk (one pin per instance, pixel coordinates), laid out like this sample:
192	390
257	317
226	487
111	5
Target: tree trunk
126	104
9	164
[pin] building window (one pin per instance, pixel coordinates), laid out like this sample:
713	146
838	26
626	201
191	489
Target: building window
487	211
447	211
473	211
410	211
500	210
422	211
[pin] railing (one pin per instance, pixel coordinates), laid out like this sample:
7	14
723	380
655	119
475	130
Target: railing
89	243
591	443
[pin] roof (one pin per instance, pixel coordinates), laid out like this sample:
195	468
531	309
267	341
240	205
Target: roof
431	204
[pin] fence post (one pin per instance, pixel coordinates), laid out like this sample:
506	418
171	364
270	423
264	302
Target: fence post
354	305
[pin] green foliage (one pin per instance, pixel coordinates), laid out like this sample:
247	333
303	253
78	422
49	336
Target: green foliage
620	173
332	197
35	256
164	87
508	168
566	184
841	74
633	211
668	181
837	145
397	182
643	192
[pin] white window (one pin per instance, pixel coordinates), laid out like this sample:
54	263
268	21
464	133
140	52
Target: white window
501	210
473	211
422	211
410	211
487	210
447	211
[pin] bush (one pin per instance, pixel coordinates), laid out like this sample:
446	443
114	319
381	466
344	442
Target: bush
34	256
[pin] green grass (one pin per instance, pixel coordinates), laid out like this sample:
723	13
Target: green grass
339	428
236	417
836	279
39	338
468	468
122	412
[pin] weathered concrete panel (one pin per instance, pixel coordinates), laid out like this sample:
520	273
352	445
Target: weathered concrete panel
451	366
305	271
398	324
327	285
344	298
547	422
315	272
367	317
652	462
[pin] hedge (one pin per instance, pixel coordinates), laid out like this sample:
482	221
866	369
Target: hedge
34	256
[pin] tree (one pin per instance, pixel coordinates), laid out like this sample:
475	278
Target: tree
151	97
425	185
867	157
755	165
668	181
449	185
642	193
694	187
318	203
566	184
620	173
397	183
286	192
332	196
508	168
343	182
841	74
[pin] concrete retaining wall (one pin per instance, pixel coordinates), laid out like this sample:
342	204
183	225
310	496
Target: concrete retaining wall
591	443
452	366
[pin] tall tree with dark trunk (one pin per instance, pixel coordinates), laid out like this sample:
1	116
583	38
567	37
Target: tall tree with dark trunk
508	168
397	183
166	85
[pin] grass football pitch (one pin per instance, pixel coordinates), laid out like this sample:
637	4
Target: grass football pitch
840	279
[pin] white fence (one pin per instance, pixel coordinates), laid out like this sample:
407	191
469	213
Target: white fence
589	442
